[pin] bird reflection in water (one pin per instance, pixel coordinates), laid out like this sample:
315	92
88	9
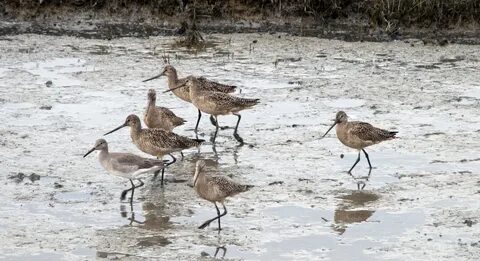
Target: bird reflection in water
217	251
154	217
349	210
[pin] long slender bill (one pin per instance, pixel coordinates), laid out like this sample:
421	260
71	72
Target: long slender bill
114	130
153	78
90	151
176	87
333	125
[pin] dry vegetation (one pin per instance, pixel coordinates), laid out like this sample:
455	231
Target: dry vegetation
424	13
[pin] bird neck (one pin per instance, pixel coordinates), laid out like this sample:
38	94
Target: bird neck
135	131
103	155
151	103
198	177
172	79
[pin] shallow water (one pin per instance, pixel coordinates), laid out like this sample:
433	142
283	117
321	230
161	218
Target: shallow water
421	201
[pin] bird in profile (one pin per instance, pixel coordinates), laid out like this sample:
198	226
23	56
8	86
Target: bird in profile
160	117
359	135
217	103
215	189
208	85
156	142
125	165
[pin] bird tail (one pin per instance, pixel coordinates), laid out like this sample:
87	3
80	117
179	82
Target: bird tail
392	134
248	187
198	141
250	102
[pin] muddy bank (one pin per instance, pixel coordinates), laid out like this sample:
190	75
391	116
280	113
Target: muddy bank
363	21
59	94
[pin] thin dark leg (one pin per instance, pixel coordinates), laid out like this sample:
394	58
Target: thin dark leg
368	159
213	120
216	131
133	190
218	249
198	120
218	214
206	223
358	159
124	193
235	134
173	159
181	153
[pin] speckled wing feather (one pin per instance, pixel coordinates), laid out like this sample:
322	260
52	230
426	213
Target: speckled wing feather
224	100
365	131
209	85
176	121
225	186
163	139
130	162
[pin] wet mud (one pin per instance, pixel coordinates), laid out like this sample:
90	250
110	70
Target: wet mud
59	94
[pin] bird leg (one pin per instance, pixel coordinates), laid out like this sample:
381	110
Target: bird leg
216	131
181	153
235	134
217	250
124	193
368	159
133	190
198	120
358	159
214	123
206	223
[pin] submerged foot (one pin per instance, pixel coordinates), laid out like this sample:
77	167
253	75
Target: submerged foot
238	138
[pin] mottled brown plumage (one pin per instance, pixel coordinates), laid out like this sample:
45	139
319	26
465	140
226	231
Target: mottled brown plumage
156	142
184	94
359	135
204	83
160	117
215	189
217	103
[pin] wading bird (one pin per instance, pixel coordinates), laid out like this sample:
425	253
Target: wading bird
215	189
125	165
183	94
156	142
359	135
160	117
216	103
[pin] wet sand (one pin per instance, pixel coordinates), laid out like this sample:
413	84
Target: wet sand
420	203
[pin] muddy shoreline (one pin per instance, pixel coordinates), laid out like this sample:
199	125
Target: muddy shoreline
349	31
135	21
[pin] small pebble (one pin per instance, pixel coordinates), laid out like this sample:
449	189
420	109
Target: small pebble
341	156
49	83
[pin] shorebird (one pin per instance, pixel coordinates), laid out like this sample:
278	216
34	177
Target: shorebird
160	117
359	135
215	189
216	103
183	94
125	165
156	142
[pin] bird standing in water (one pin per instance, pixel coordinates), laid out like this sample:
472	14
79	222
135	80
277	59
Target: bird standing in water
359	135
183	94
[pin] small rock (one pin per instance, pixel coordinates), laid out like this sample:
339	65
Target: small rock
57	185
33	177
17	177
49	83
468	222
341	156
46	107
254	41
275	183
